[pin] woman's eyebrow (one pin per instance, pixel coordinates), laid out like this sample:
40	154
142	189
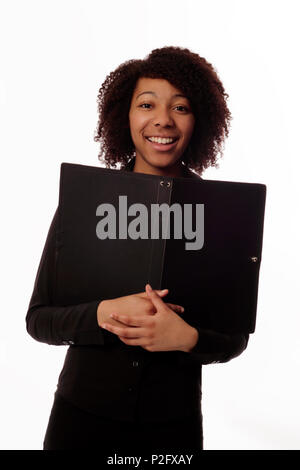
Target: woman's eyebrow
152	93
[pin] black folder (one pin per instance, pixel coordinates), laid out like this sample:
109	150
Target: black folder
217	284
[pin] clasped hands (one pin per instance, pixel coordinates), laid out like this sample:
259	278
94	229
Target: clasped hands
145	320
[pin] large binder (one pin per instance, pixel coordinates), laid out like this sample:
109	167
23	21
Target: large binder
217	284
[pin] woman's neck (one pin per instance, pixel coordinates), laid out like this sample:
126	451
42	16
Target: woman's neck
140	166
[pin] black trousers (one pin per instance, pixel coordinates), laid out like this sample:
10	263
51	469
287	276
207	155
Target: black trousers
72	428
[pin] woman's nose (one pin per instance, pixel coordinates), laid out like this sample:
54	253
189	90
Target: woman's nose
163	118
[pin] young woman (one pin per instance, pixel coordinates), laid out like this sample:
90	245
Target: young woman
132	374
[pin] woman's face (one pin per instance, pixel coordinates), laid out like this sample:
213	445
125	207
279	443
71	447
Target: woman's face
158	111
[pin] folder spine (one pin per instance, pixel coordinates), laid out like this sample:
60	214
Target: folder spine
158	246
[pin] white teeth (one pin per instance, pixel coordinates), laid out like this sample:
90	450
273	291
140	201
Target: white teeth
159	140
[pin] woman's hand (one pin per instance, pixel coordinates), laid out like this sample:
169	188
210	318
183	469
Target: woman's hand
162	331
130	305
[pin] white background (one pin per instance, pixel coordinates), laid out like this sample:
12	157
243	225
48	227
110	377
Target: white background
54	57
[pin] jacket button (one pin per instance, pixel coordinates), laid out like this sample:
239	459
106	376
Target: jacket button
135	363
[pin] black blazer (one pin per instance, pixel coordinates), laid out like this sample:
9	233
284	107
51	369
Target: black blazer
108	378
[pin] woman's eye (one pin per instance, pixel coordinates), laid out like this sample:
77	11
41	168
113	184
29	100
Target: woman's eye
183	108
148	106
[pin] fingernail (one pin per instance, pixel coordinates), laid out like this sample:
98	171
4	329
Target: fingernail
182	309
149	287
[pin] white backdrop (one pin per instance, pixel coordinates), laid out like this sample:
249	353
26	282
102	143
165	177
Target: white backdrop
54	57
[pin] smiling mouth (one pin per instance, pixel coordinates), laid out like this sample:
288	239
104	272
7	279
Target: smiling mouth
163	146
162	140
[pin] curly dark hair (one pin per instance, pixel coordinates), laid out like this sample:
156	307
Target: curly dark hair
188	72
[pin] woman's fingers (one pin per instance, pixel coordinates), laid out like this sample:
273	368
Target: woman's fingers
129	320
130	327
176	308
161	293
154	297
